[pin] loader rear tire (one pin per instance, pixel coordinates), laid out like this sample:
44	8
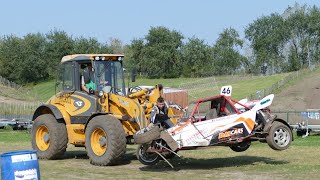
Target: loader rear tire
105	140
147	135
49	137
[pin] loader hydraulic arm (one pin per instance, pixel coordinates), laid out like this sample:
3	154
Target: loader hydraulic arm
121	105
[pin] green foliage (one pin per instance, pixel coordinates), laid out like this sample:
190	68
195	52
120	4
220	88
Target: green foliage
161	54
197	58
286	42
158	54
59	44
10	55
267	35
36	57
226	55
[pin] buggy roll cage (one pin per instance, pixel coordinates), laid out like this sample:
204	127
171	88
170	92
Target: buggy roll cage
227	100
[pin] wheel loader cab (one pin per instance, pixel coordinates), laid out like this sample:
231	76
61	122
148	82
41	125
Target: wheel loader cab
97	73
84	80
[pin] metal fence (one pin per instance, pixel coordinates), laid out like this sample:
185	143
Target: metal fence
276	86
303	119
15	116
15	110
209	86
8	83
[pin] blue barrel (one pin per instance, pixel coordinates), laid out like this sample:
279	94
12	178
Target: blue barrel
20	165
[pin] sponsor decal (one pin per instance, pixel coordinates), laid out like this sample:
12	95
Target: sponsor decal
23	157
263	102
124	103
310	115
197	135
192	137
78	103
27	174
64	99
230	133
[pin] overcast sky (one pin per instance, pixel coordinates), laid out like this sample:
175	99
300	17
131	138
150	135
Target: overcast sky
127	20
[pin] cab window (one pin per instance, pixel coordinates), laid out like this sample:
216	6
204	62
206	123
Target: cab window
67	76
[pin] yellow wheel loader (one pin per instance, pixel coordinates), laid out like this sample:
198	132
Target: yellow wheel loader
92	109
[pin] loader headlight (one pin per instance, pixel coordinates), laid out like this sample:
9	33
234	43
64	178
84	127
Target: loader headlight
100	93
96	58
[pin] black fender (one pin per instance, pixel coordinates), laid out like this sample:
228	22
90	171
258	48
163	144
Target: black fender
47	109
269	124
92	116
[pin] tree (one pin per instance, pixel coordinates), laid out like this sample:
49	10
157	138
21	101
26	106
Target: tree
226	54
134	55
116	46
59	45
10	57
34	59
161	54
197	58
267	35
86	46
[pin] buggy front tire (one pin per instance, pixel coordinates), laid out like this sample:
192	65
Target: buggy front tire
146	158
279	136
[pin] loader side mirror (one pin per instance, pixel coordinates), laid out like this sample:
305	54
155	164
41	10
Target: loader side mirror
133	75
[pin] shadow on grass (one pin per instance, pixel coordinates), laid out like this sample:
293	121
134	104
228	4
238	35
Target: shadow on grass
193	164
82	154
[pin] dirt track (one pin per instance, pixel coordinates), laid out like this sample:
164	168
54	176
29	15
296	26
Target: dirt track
305	94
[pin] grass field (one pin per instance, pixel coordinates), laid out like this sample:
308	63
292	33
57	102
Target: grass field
300	161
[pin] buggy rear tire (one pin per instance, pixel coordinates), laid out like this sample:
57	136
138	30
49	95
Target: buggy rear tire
240	147
279	137
147	135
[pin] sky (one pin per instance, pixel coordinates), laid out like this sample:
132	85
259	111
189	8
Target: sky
127	20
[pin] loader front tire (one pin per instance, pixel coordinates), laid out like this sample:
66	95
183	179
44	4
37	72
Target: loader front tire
49	137
105	140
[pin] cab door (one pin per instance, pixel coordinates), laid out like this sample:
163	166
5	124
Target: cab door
78	104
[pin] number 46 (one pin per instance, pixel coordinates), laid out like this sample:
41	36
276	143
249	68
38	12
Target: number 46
226	90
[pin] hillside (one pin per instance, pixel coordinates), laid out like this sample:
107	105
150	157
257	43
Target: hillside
197	87
298	95
8	94
302	94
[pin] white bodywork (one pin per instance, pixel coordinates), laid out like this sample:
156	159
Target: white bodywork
188	134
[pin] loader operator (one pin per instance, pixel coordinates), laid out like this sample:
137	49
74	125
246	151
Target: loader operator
159	113
87	80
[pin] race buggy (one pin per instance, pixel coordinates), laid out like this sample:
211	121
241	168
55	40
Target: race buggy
215	121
